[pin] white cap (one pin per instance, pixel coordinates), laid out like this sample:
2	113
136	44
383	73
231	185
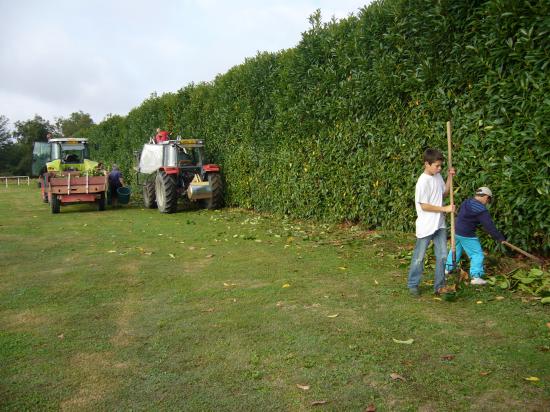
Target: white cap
484	191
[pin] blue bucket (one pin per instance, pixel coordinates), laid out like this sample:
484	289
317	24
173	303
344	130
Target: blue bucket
123	195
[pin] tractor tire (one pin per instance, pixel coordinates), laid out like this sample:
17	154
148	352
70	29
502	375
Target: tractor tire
149	200
166	193
216	201
55	204
101	202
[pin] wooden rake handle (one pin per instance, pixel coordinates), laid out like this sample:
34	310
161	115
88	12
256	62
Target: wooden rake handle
451	193
523	252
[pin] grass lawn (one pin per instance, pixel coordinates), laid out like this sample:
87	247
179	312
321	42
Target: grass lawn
129	309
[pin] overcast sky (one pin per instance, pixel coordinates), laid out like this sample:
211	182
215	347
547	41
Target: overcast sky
107	56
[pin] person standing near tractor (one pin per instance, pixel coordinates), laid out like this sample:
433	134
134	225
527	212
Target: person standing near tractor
473	213
430	223
115	181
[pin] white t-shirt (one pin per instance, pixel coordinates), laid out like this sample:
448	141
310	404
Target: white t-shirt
429	189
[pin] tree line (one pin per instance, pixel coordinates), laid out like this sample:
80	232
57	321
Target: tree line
16	145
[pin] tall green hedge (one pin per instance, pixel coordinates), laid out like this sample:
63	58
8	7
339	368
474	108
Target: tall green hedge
334	128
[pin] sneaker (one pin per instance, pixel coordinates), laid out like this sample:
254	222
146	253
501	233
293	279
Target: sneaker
478	281
414	291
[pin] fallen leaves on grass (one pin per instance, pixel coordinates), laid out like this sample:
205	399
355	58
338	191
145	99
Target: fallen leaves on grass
111	251
62	336
316	403
484	373
548	325
171	255
479	302
303	387
397	377
500	298
404	342
286	285
447	289
532	379
209	256
333	316
371	408
448	357
143	251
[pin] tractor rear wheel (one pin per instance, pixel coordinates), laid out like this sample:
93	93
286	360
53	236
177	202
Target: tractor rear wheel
216	201
55	204
166	192
149	200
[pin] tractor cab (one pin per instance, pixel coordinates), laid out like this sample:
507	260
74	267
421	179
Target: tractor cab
70	154
181	154
61	154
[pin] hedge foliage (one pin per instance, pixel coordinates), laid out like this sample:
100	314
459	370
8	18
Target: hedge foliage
334	128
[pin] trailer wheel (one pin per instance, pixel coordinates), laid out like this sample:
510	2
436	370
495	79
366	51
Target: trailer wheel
149	200
166	192
55	204
216	201
101	202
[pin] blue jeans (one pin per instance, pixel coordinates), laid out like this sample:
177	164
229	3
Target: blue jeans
473	249
439	239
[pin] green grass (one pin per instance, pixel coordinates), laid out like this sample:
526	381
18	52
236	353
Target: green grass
96	315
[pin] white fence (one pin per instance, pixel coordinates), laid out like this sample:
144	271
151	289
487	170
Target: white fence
18	178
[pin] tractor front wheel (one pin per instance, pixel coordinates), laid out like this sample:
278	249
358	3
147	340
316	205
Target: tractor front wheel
216	201
149	200
166	192
55	204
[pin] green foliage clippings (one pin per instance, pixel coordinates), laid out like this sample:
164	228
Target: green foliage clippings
534	282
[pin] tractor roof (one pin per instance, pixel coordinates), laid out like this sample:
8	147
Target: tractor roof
70	140
190	142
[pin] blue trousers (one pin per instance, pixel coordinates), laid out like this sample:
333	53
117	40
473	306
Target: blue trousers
473	249
417	264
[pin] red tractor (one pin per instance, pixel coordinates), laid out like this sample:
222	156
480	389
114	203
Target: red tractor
175	168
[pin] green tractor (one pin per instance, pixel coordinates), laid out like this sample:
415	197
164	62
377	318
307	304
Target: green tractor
66	174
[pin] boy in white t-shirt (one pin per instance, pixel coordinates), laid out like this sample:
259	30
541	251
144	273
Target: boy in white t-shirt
430	224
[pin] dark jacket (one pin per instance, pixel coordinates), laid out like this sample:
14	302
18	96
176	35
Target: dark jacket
472	214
